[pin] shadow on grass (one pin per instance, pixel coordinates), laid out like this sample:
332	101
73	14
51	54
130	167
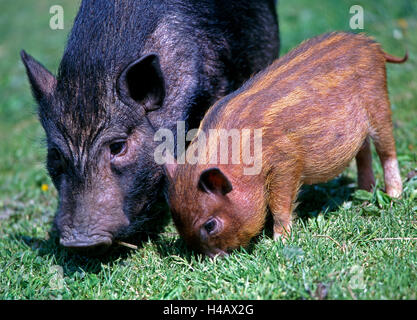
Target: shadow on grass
324	197
72	262
313	200
175	247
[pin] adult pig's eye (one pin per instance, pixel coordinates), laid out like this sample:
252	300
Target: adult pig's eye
118	148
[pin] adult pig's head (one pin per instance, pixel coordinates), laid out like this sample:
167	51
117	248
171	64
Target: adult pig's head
100	148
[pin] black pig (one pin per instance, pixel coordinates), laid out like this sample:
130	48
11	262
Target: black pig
129	68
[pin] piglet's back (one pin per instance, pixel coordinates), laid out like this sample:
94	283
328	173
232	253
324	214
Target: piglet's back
312	101
317	67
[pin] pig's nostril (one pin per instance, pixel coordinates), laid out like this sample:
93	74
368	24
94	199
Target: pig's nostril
91	248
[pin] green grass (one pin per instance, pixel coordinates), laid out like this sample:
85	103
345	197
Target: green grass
333	252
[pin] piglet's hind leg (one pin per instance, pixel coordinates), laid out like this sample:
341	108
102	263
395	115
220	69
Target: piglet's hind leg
383	139
366	179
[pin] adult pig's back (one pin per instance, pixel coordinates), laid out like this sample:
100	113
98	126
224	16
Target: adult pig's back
214	47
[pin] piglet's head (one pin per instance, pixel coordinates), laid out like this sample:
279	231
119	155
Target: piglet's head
204	211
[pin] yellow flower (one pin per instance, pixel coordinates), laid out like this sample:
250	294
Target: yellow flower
44	187
402	23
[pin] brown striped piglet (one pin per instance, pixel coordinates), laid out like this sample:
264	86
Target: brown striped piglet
317	107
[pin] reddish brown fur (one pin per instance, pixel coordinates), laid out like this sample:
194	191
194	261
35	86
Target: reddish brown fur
317	107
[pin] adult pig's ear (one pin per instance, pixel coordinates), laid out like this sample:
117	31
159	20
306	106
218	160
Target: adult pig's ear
43	82
142	83
213	180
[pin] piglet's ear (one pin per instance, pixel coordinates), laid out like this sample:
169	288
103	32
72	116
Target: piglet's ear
214	181
42	81
142	83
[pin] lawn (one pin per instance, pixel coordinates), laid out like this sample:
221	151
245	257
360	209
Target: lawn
345	244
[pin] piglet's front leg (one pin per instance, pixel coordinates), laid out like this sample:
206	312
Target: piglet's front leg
282	196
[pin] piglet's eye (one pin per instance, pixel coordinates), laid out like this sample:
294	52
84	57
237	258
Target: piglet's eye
210	226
